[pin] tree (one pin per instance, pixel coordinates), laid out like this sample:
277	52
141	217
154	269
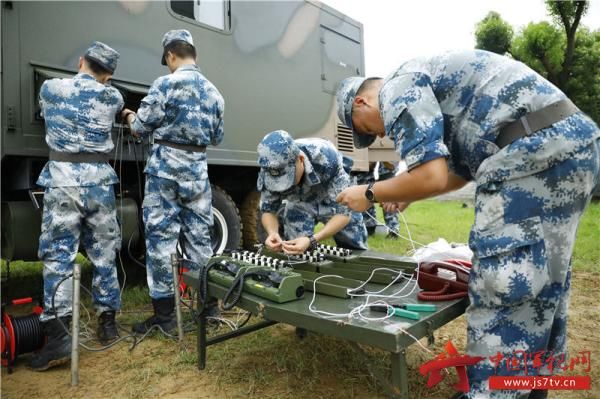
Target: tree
541	46
567	56
568	14
584	85
493	34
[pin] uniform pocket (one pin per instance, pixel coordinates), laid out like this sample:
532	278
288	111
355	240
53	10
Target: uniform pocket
510	263
151	200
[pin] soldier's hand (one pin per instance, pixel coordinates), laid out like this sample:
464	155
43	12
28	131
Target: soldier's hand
354	198
273	242
296	246
125	114
394	206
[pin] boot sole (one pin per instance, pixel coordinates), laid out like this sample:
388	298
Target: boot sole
52	363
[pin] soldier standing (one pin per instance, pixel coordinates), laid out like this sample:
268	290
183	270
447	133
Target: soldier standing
79	199
308	174
534	156
184	113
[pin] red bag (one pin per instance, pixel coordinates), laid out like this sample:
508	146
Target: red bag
437	287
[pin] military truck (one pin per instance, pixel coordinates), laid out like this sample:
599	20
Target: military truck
277	65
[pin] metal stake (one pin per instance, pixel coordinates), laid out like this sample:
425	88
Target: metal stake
75	326
175	269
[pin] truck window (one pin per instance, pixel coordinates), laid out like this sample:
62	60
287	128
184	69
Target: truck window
208	12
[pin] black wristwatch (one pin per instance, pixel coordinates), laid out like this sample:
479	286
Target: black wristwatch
369	193
313	243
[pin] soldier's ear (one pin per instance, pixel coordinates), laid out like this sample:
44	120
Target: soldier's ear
359	101
80	62
105	78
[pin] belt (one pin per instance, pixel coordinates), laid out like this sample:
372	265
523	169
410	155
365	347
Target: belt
80	157
184	147
535	121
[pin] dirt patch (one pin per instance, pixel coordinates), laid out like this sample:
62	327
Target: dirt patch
274	363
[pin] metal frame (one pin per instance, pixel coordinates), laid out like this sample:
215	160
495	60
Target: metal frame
291	313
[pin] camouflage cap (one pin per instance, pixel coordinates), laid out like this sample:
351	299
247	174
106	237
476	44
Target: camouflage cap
103	55
277	154
181	35
345	98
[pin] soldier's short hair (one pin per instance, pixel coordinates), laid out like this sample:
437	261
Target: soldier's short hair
367	84
181	49
96	67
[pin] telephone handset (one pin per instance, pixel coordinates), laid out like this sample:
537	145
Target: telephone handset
438	286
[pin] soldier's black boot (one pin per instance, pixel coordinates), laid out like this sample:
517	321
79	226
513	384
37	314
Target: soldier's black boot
57	350
107	327
163	317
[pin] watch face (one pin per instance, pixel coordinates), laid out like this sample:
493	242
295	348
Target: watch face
370	194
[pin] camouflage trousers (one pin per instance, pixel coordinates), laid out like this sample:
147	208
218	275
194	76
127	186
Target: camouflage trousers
71	213
299	219
172	207
390	218
519	285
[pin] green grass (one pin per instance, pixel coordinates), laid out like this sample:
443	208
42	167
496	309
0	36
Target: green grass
430	220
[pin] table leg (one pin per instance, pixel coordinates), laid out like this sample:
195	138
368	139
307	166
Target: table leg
201	336
399	373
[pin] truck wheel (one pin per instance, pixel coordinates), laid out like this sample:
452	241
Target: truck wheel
226	232
253	230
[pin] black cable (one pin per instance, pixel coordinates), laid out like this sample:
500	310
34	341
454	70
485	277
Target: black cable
55	313
137	166
236	289
137	262
28	333
245	321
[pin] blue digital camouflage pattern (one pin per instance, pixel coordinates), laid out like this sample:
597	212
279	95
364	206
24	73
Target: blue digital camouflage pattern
78	113
79	201
370	215
523	241
277	154
529	199
71	215
185	108
177	34
313	200
170	207
103	55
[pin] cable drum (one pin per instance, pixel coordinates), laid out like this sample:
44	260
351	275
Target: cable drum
29	336
20	335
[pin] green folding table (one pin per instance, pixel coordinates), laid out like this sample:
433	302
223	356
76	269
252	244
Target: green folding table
386	335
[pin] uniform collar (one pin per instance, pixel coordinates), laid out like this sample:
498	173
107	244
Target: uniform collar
188	67
310	176
82	75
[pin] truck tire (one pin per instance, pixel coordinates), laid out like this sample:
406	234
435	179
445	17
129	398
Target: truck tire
253	230
226	232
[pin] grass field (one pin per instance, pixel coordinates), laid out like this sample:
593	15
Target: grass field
274	363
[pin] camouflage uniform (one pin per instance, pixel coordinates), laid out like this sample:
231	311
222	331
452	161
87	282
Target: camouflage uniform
182	108
313	200
390	218
79	200
529	199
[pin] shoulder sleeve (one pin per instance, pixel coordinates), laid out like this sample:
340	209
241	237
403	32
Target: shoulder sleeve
152	108
338	181
42	97
413	118
216	110
119	100
270	202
